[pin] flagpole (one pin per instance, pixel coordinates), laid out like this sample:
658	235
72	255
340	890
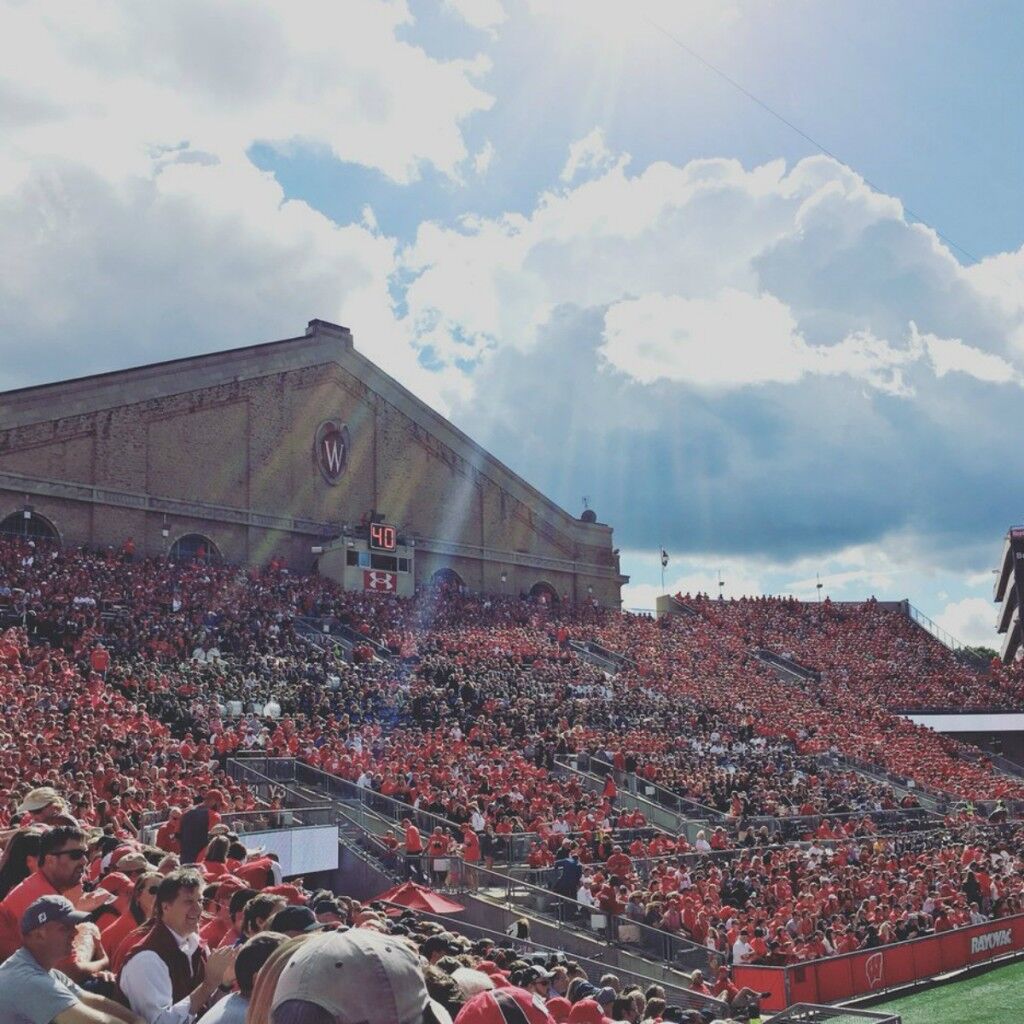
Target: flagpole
662	560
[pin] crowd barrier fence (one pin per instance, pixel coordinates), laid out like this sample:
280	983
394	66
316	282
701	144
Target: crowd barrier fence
843	977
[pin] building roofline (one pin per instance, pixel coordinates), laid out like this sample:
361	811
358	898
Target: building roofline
158	365
327	341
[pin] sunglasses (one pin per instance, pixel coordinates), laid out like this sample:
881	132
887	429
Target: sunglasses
73	854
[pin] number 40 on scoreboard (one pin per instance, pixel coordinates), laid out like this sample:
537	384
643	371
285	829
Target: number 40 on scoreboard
383	537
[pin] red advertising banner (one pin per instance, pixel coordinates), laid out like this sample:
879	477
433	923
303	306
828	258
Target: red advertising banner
843	977
382	582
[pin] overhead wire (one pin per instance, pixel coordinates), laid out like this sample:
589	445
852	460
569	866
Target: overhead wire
795	128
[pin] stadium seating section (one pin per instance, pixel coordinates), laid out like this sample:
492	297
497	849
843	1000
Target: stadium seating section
126	685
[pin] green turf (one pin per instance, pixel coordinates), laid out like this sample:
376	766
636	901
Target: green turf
993	998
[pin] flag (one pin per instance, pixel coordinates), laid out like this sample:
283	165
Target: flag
664	558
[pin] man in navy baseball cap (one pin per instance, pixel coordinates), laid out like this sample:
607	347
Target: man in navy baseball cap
48	909
34	991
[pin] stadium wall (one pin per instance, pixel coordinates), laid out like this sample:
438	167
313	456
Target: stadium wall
839	978
226	446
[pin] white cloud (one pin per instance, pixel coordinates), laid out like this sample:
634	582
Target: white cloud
971	621
985	578
950	355
131	218
198	252
735	340
113	82
591	153
132	222
715	275
482	14
737	579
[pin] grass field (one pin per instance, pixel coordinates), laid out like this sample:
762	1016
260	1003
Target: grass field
993	998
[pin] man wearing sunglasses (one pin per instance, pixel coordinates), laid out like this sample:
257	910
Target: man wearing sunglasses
62	863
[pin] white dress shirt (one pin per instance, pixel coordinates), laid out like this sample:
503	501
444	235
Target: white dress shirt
146	982
742	951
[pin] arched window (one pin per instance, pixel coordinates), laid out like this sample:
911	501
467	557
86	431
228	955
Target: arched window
194	547
30	525
446	579
544	593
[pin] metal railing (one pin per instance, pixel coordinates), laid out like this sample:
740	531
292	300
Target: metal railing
382	813
269	784
676	950
650	793
911	786
1004	764
931	626
786	663
265	819
675	994
338	634
799	825
1013	706
463	879
326	643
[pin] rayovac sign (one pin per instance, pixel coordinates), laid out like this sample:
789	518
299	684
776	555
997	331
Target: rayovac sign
991	940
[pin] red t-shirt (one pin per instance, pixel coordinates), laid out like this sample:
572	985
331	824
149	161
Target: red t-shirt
15	903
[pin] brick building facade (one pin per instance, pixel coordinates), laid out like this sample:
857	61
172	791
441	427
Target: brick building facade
287	449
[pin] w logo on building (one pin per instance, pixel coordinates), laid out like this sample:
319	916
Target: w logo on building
330	449
334	453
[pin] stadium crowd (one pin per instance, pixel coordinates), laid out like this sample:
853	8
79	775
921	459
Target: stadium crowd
867	651
708	659
126	684
98	929
802	901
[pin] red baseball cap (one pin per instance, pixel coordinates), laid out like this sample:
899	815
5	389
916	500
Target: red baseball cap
588	1011
290	892
228	884
117	883
559	1007
502	1004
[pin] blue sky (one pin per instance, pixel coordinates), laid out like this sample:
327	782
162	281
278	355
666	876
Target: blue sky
598	257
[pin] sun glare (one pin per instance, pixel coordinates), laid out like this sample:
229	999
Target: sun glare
615	26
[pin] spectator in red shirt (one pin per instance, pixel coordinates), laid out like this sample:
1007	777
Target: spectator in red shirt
62	862
168	835
413	850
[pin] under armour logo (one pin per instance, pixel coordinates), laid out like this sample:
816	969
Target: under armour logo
374	579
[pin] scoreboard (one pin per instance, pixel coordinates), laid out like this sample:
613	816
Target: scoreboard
383	537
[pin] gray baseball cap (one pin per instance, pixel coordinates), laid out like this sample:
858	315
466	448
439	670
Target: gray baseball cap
360	977
50	908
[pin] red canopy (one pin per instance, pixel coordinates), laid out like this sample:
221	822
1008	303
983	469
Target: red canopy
419	897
